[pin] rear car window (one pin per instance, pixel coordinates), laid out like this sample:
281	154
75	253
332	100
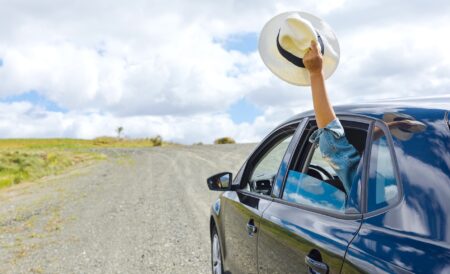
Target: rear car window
382	184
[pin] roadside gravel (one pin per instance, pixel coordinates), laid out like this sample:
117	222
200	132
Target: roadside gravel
139	211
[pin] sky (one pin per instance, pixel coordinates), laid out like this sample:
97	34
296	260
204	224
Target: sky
190	70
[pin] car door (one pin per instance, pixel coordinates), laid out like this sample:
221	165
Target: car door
308	227
242	209
405	228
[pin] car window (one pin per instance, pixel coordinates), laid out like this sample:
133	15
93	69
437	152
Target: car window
320	167
267	166
317	186
382	183
315	182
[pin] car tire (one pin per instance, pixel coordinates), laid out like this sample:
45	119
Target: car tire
216	253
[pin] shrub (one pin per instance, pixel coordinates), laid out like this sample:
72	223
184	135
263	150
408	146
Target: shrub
224	140
157	141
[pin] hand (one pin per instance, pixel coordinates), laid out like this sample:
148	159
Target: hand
313	59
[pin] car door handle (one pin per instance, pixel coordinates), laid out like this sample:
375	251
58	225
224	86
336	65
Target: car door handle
251	228
318	267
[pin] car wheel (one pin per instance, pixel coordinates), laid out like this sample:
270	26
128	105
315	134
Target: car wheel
216	254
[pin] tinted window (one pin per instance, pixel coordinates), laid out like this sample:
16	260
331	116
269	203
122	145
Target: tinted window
267	166
307	190
382	184
319	186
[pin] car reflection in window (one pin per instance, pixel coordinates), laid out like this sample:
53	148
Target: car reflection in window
306	190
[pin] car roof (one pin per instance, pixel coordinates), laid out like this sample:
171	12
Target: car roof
417	106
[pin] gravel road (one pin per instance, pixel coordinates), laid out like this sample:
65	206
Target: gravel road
138	211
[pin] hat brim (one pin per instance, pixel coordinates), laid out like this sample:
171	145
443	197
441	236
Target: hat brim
283	68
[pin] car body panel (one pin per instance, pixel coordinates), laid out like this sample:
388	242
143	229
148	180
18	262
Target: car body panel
415	235
288	234
378	249
239	250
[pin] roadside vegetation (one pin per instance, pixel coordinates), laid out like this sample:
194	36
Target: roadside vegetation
224	140
30	159
61	143
17	166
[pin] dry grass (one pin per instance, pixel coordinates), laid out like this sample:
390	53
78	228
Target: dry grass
65	143
31	159
21	165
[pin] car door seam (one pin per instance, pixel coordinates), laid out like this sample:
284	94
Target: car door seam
350	242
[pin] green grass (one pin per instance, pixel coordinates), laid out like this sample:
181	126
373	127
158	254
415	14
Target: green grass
30	159
62	143
17	166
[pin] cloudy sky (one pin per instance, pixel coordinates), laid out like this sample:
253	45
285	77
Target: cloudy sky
190	71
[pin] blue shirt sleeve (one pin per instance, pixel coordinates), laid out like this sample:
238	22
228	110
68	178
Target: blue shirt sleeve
337	151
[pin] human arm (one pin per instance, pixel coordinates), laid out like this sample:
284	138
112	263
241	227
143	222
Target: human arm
330	136
322	107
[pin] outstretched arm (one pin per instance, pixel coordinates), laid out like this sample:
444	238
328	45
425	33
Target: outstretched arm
322	107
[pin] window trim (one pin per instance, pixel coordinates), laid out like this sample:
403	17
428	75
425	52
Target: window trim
308	157
287	160
260	151
391	146
322	211
447	119
254	194
369	121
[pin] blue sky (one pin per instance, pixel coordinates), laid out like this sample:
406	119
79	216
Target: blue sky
242	110
243	42
36	99
190	77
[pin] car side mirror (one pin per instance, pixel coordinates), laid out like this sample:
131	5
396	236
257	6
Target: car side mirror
220	182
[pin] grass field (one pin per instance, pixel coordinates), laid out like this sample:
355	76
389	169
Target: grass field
30	159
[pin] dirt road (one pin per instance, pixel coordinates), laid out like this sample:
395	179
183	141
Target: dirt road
139	211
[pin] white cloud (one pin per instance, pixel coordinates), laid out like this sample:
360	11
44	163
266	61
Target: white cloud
155	67
23	119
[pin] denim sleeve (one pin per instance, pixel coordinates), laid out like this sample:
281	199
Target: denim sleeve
337	151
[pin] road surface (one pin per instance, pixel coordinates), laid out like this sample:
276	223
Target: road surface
138	211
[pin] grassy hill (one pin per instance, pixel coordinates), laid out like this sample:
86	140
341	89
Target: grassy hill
29	159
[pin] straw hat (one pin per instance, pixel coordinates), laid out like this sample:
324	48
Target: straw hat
285	39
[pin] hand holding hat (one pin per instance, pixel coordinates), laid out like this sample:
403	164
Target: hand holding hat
313	59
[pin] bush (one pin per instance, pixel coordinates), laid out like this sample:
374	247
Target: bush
224	140
157	141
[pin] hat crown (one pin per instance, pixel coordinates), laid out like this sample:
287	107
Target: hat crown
285	39
296	34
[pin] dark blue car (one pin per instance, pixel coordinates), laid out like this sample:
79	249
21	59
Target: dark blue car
286	210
